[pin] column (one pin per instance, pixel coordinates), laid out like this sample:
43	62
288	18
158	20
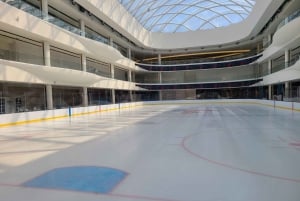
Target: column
47	61
270	95
130	80
83	62
129	76
113	93
159	76
45	9
113	96
258	48
85	90
269	39
287	58
49	97
85	97
129	53
46	49
111	41
112	71
287	88
287	84
130	96
269	66
159	59
82	28
160	81
270	92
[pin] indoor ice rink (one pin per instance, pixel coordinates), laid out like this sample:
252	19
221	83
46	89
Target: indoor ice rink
172	152
147	100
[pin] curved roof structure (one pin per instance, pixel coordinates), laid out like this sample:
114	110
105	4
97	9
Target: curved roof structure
172	16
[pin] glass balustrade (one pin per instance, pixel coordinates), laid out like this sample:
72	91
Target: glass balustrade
60	23
282	23
96	37
289	19
22	5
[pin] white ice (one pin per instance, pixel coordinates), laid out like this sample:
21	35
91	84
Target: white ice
197	152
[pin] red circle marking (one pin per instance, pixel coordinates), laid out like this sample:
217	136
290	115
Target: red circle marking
187	149
295	144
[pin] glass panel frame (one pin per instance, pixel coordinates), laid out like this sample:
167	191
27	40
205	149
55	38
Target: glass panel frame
154	15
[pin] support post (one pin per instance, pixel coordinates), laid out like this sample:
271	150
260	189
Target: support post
129	53
270	92
287	84
85	90
46	49
82	28
159	76
44	9
49	97
85	97
113	96
111	41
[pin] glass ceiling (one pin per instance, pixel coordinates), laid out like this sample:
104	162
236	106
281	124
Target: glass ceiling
187	15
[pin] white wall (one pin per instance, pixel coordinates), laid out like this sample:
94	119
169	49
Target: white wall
11	71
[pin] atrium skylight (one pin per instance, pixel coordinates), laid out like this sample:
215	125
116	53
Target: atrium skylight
187	15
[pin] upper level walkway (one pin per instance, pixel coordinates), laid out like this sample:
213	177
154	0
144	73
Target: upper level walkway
196	66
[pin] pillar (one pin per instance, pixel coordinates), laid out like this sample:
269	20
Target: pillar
258	49
130	80
287	84
111	41
159	76
46	50
82	28
270	95
113	92
44	9
49	97
287	58
129	76
269	66
270	92
131	96
128	53
160	81
85	90
159	59
269	39
112	71
113	96
85	97
47	61
83	62
287	88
